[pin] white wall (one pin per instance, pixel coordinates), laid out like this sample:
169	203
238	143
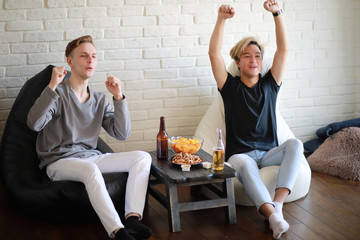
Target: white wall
158	48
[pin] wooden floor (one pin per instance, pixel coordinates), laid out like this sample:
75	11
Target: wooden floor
331	210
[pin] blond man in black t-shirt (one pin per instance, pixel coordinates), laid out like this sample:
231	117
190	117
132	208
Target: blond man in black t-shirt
250	104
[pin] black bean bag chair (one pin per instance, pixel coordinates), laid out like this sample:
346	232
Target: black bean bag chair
28	186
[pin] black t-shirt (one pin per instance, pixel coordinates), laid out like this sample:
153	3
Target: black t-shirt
250	114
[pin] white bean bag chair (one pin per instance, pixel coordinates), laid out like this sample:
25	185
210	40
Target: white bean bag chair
214	118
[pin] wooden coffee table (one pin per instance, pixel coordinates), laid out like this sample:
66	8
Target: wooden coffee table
164	172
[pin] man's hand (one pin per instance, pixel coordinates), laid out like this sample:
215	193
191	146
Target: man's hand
271	6
57	76
114	86
226	11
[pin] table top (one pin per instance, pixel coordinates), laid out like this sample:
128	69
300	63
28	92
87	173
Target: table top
173	173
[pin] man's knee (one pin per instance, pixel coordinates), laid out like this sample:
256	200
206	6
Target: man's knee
90	171
144	158
244	166
241	163
295	144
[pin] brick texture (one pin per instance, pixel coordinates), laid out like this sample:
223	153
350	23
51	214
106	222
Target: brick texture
158	48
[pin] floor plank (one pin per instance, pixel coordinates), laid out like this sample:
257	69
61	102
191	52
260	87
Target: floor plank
330	211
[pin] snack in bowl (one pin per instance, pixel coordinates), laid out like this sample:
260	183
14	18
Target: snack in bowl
186	159
186	144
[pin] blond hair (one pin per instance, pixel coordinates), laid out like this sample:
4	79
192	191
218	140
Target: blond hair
76	42
239	48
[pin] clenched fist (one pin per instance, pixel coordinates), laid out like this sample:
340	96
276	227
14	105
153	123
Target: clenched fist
114	86
57	76
226	11
271	6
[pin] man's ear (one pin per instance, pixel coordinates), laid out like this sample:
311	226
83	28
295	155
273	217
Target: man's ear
237	62
69	61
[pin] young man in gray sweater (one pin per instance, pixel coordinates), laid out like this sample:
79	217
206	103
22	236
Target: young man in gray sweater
68	116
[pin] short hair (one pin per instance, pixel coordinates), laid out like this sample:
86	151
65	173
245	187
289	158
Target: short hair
76	42
239	48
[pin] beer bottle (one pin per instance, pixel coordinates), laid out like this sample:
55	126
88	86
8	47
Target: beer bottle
218	152
162	141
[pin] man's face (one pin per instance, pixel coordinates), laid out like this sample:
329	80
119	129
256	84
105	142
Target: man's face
250	61
83	60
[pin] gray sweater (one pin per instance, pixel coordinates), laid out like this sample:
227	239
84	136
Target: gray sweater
68	128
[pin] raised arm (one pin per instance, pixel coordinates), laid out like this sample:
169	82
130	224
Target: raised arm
117	123
217	61
282	42
45	106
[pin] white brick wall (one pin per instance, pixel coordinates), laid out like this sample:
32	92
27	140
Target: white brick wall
158	48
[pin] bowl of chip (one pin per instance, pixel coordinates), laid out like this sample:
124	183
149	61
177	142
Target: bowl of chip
186	144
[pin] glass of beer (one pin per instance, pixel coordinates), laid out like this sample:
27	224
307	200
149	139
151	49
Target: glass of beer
218	152
218	160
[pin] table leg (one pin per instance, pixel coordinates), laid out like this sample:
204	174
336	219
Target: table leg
173	208
231	201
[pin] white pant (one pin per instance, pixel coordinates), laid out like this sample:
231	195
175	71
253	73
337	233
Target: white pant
89	171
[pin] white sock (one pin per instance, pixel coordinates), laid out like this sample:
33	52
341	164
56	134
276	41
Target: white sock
278	208
278	225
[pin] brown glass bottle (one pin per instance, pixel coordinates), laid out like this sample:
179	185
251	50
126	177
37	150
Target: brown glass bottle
162	141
